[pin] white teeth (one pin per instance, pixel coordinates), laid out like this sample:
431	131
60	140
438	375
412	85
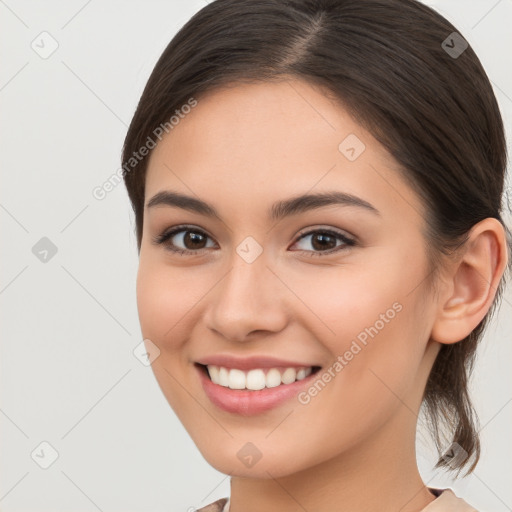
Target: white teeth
301	374
288	376
236	379
223	377
255	379
273	378
213	371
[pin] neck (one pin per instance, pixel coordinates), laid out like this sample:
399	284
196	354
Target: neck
379	474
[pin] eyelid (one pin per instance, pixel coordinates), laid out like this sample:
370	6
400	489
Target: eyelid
170	232
318	228
348	239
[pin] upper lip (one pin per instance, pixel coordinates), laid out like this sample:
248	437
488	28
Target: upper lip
250	363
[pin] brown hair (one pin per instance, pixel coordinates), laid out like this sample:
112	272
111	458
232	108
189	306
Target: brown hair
388	63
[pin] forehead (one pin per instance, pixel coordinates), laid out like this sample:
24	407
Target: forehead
251	143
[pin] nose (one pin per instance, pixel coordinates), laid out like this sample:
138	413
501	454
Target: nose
249	299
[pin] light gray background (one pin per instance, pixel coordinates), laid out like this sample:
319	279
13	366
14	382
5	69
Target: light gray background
69	325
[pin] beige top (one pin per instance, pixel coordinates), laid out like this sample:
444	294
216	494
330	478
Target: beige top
446	501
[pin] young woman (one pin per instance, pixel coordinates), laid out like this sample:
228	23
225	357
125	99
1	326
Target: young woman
317	188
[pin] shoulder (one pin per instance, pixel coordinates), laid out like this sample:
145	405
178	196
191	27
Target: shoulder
448	501
216	506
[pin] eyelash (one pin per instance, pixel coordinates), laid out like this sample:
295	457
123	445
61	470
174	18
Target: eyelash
166	235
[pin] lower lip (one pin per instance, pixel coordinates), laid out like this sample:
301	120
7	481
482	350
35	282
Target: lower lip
246	402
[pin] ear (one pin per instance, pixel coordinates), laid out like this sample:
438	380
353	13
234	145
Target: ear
470	284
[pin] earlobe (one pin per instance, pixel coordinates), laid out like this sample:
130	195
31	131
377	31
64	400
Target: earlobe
471	285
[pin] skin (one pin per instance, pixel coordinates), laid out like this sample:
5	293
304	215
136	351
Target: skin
352	447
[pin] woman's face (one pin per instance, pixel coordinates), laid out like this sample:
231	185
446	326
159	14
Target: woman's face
337	283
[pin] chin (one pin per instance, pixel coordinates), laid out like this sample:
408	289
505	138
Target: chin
242	459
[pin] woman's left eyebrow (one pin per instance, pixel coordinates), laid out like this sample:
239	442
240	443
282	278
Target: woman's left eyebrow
279	210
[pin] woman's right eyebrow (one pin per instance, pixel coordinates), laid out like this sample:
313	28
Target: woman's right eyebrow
279	210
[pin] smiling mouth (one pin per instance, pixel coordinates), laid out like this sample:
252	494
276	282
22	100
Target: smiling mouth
257	378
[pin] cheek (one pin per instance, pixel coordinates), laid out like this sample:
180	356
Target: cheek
351	303
166	297
155	312
367	298
164	316
374	330
365	384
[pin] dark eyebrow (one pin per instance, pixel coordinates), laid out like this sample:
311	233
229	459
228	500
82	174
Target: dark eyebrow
279	210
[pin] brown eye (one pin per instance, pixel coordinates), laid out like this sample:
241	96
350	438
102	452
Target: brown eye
325	241
192	239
